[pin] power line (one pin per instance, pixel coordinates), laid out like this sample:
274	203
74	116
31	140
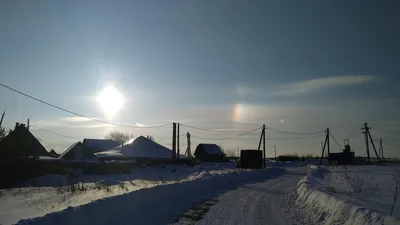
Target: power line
293	138
51	132
336	142
227	138
293	132
215	130
79	114
390	144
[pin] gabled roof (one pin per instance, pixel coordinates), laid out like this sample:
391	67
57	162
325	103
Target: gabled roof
212	149
77	151
141	147
99	145
76	144
20	142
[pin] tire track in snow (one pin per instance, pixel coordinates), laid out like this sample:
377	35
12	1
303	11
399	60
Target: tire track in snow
260	203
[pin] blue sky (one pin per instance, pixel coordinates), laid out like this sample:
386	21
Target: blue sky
314	64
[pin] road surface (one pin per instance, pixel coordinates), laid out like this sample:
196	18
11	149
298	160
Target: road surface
268	202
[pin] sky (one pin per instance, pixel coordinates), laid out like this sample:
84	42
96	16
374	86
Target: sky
300	66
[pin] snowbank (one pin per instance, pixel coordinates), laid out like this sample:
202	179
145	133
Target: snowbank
324	208
158	205
52	192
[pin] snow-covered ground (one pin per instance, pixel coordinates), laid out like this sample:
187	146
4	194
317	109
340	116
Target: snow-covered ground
54	193
350	195
283	193
161	204
268	201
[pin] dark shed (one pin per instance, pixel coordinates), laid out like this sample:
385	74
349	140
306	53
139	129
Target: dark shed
209	153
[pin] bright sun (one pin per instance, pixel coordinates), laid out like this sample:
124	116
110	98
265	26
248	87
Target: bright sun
110	100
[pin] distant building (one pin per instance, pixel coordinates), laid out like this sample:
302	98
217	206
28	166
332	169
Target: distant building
21	143
209	153
77	151
346	157
99	145
139	148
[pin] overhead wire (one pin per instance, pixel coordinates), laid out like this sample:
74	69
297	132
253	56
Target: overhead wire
226	138
276	130
336	142
79	114
54	133
217	130
293	138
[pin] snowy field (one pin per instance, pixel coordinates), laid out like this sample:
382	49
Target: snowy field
52	193
283	193
351	194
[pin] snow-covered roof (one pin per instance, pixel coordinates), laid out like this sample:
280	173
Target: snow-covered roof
99	145
212	149
140	147
70	148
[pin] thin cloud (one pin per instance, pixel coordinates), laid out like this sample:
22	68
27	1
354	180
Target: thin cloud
75	119
140	125
318	84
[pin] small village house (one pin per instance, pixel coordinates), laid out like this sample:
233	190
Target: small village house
209	153
20	143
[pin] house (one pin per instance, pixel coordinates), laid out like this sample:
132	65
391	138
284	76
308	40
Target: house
139	148
77	151
209	153
99	145
21	143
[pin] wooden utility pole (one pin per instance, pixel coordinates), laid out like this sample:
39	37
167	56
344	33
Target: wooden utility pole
27	126
264	146
373	145
189	148
381	148
328	134
177	155
174	141
2	117
368	137
365	132
261	138
324	146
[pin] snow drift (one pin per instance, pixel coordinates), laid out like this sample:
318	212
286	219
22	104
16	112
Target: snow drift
325	208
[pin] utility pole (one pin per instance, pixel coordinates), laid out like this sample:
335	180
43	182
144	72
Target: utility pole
27	124
324	146
188	149
261	138
381	148
2	117
238	151
275	151
368	135
365	132
264	146
177	155
373	145
328	134
173	141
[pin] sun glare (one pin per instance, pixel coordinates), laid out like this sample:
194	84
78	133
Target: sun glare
110	100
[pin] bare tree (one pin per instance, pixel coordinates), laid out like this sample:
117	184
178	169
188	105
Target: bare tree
119	137
3	132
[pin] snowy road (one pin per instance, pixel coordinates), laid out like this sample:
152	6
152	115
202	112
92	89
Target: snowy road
266	202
